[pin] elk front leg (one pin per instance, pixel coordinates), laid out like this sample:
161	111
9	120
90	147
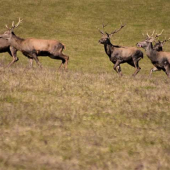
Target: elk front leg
31	62
12	51
117	64
119	70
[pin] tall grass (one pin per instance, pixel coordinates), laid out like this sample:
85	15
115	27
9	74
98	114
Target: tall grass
88	117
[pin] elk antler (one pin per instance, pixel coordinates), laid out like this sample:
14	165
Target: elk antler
165	40
115	31
157	35
152	37
153	33
102	31
7	27
104	25
13	25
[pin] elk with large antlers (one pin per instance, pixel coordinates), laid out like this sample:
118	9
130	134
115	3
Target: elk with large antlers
32	48
5	47
160	59
118	54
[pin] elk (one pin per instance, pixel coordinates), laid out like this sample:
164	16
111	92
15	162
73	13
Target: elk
118	54
159	45
32	48
160	59
5	47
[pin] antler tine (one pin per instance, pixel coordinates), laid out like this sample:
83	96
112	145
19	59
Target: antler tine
13	24
100	31
20	21
7	26
165	40
118	29
104	25
157	35
148	36
153	33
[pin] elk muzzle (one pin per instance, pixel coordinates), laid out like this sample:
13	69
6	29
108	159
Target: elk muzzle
139	45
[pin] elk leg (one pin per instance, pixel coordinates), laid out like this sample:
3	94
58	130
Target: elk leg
152	70
56	56
136	63
61	65
119	70
37	60
117	64
31	62
13	53
167	70
64	60
60	56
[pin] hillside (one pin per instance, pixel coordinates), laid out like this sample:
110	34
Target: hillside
88	117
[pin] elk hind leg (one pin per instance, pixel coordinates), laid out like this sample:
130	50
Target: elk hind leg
167	70
153	70
64	59
136	64
61	57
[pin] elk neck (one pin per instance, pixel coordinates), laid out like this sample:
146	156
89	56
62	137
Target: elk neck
16	41
108	48
151	52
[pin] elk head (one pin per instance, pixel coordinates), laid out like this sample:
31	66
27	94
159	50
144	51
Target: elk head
149	39
7	34
159	45
105	39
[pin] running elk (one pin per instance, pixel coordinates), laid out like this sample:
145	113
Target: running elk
5	47
118	54
160	59
32	48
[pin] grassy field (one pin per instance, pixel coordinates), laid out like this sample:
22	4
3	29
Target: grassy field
88	118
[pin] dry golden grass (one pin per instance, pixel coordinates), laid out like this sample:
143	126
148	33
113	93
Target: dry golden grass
75	120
